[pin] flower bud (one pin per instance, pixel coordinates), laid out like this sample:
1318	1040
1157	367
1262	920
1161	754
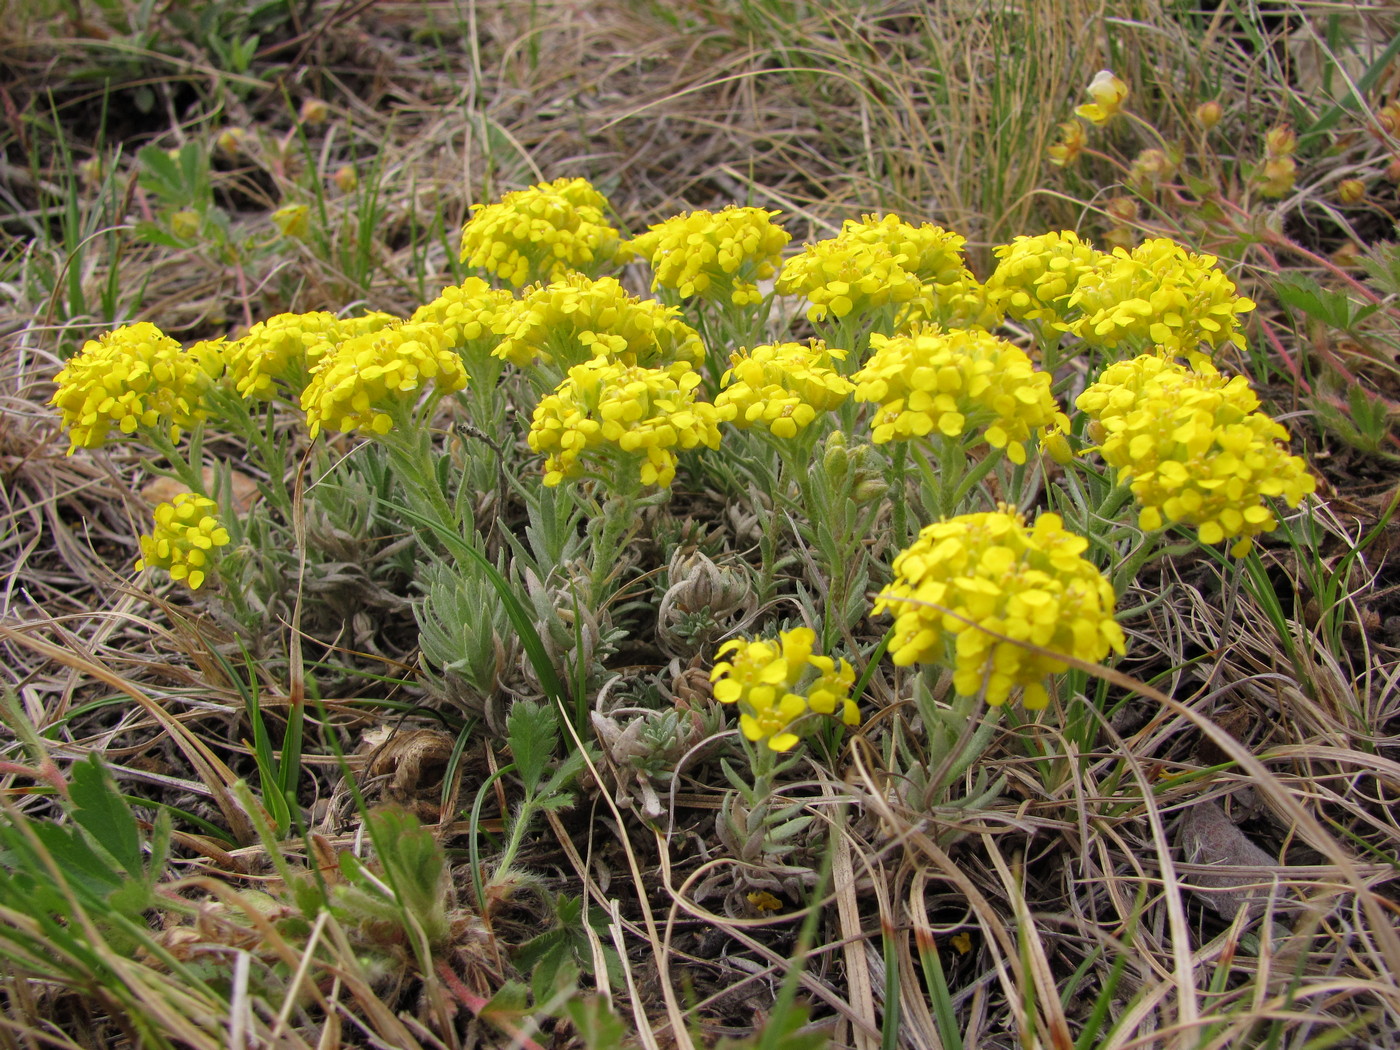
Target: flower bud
1119	237
1351	191
1277	176
1280	142
1208	114
313	111
1348	256
869	490
1387	121
184	224
92	170
346	179
1392	170
1124	209
231	141
835	460
1151	167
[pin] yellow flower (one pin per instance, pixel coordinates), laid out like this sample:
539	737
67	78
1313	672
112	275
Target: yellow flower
132	378
577	318
874	263
782	386
714	255
1159	294
604	406
285	348
773	682
187	532
292	220
368	375
1054	440
1108	93
1065	151
1194	449
1035	276
978	573
954	383
540	234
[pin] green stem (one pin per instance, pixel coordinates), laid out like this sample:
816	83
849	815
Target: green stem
1127	572
976	474
899	494
1113	502
180	467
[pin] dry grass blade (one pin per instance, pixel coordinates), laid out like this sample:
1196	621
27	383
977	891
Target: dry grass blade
217	777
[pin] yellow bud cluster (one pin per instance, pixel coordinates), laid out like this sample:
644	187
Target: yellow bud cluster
1159	294
367	374
777	681
1035	276
714	255
782	386
954	383
1194	449
132	378
470	312
978	573
577	318
540	234
287	347
187	532
605	405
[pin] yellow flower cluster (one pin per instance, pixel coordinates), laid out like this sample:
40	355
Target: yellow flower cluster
963	303
715	255
930	253
468	313
1194	448
577	318
645	413
540	234
953	383
842	278
978	573
132	378
187	532
777	682
367	374
1159	294
782	386
1035	276
286	348
874	263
